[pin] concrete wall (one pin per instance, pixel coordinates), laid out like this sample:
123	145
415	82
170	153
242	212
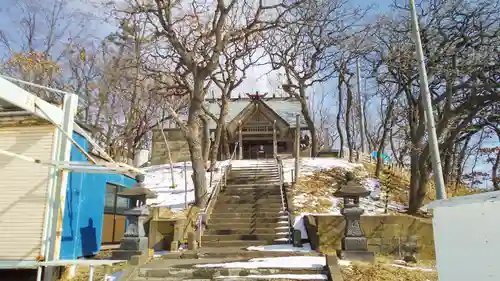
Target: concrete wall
385	233
84	209
467	241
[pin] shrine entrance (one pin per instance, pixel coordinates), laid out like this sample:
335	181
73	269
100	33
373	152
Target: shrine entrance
258	149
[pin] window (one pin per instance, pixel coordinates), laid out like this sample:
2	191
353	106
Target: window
114	204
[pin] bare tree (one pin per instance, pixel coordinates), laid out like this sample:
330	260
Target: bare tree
305	48
195	36
236	59
458	38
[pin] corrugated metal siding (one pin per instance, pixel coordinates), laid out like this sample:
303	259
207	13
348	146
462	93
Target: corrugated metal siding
23	187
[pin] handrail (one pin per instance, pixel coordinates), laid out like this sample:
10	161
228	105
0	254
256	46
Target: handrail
213	195
283	204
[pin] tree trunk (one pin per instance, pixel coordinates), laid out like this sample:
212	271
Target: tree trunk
447	163
227	152
195	146
386	128
339	116
310	123
494	171
219	133
348	122
460	163
206	139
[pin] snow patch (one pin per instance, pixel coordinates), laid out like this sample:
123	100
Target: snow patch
301	262
309	165
172	193
282	248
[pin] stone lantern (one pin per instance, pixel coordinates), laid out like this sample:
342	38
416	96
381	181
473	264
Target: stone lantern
354	243
135	241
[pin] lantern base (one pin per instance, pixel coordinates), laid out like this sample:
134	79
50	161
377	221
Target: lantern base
363	256
131	246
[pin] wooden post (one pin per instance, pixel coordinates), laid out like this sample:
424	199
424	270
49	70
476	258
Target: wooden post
297	147
185	186
240	141
275	143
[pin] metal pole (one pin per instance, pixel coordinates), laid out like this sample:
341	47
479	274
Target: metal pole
297	147
429	116
185	186
361	110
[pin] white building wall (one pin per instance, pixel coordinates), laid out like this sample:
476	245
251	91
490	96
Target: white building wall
467	239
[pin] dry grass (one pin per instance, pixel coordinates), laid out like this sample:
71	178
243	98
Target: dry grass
383	272
316	190
396	183
313	192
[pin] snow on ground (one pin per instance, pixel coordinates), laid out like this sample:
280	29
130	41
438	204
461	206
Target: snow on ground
304	262
306	248
159	179
280	276
309	165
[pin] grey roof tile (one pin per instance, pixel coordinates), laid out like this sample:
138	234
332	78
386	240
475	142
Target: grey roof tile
286	109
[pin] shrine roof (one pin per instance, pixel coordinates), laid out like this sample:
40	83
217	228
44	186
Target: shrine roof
286	108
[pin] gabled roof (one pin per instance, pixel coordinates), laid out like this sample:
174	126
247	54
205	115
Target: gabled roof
287	109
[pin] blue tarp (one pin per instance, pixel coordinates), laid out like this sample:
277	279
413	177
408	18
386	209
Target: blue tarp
385	157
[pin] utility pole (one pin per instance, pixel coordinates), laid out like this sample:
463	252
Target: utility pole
429	115
361	110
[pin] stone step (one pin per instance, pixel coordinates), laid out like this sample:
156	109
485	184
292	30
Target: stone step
245	237
233	243
246	230
273	194
228	215
254	174
259	199
249	205
190	272
246	182
232	253
233	215
231	226
233	278
254	185
217	220
254	167
247	209
252	188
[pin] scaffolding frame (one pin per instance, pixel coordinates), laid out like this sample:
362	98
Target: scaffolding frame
64	120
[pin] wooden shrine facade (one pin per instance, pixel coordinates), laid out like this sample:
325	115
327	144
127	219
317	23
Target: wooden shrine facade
261	130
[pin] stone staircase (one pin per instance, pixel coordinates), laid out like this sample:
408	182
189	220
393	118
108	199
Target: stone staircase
249	209
248	212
